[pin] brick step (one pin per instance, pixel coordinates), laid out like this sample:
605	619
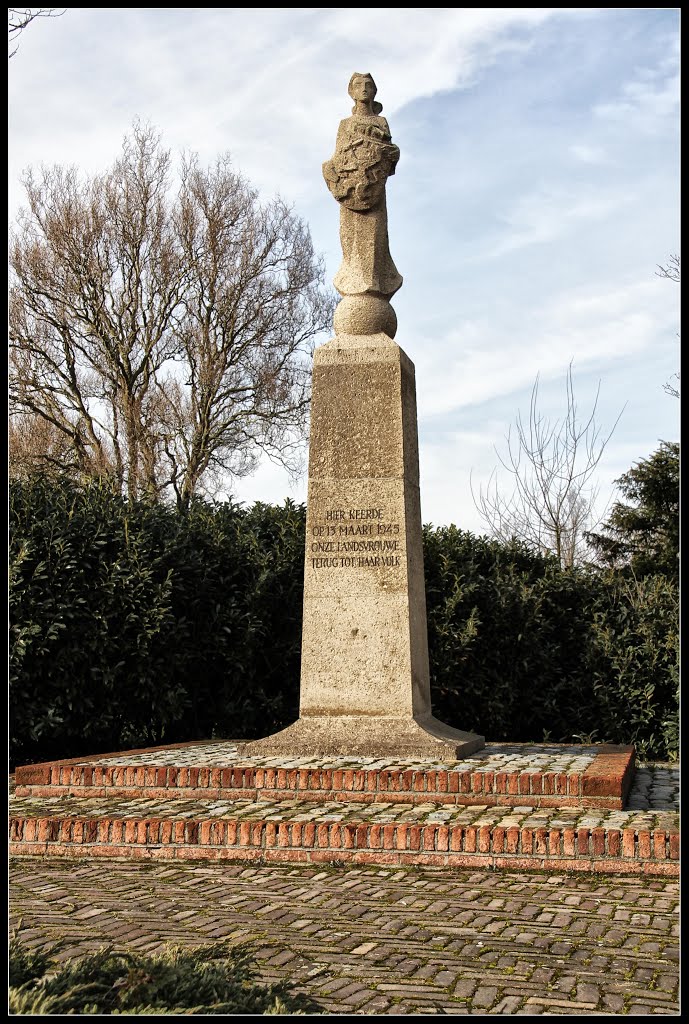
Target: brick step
566	838
539	775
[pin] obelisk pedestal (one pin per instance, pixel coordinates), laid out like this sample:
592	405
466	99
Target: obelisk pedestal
365	686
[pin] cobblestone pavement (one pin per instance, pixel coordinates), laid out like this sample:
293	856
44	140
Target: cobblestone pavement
655	787
379	941
178	808
493	756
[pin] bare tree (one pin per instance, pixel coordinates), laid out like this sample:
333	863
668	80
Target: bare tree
671	271
167	340
552	503
18	18
252	304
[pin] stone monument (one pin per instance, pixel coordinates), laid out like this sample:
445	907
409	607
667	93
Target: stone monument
365	688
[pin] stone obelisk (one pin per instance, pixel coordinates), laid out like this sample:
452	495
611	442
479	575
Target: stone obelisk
365	687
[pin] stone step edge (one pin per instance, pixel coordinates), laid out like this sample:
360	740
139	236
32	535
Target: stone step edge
607	865
609	776
213	839
321	796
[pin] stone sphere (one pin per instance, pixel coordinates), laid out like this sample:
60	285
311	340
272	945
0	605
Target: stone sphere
365	314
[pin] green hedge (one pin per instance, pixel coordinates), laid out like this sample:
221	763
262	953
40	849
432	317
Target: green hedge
133	624
521	649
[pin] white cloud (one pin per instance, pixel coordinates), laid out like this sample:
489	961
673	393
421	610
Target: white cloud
588	154
549	213
649	96
644	102
491	358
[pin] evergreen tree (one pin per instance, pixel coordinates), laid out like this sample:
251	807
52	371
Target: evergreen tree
641	535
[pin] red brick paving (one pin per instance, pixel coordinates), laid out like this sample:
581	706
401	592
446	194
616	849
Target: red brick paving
374	940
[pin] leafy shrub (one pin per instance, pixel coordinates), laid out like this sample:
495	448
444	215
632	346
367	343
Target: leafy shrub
635	672
212	979
134	623
88	602
522	650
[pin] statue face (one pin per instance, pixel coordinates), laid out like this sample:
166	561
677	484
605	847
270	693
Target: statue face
362	88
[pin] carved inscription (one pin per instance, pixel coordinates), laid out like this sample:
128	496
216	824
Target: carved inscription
355	538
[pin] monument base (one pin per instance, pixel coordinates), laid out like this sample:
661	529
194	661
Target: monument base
366	736
554	807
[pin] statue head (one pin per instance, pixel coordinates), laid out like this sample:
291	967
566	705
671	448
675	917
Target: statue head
363	89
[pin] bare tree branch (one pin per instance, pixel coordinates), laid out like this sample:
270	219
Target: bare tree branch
18	18
672	269
672	273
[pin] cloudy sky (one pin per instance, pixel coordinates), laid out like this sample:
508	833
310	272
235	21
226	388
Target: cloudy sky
537	190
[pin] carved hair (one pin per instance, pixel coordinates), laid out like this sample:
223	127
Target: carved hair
377	107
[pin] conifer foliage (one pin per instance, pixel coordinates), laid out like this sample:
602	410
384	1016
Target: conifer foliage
641	535
211	979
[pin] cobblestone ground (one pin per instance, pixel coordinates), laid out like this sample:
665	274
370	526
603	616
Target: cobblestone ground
380	941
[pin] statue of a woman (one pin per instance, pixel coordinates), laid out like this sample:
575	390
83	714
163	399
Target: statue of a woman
364	158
